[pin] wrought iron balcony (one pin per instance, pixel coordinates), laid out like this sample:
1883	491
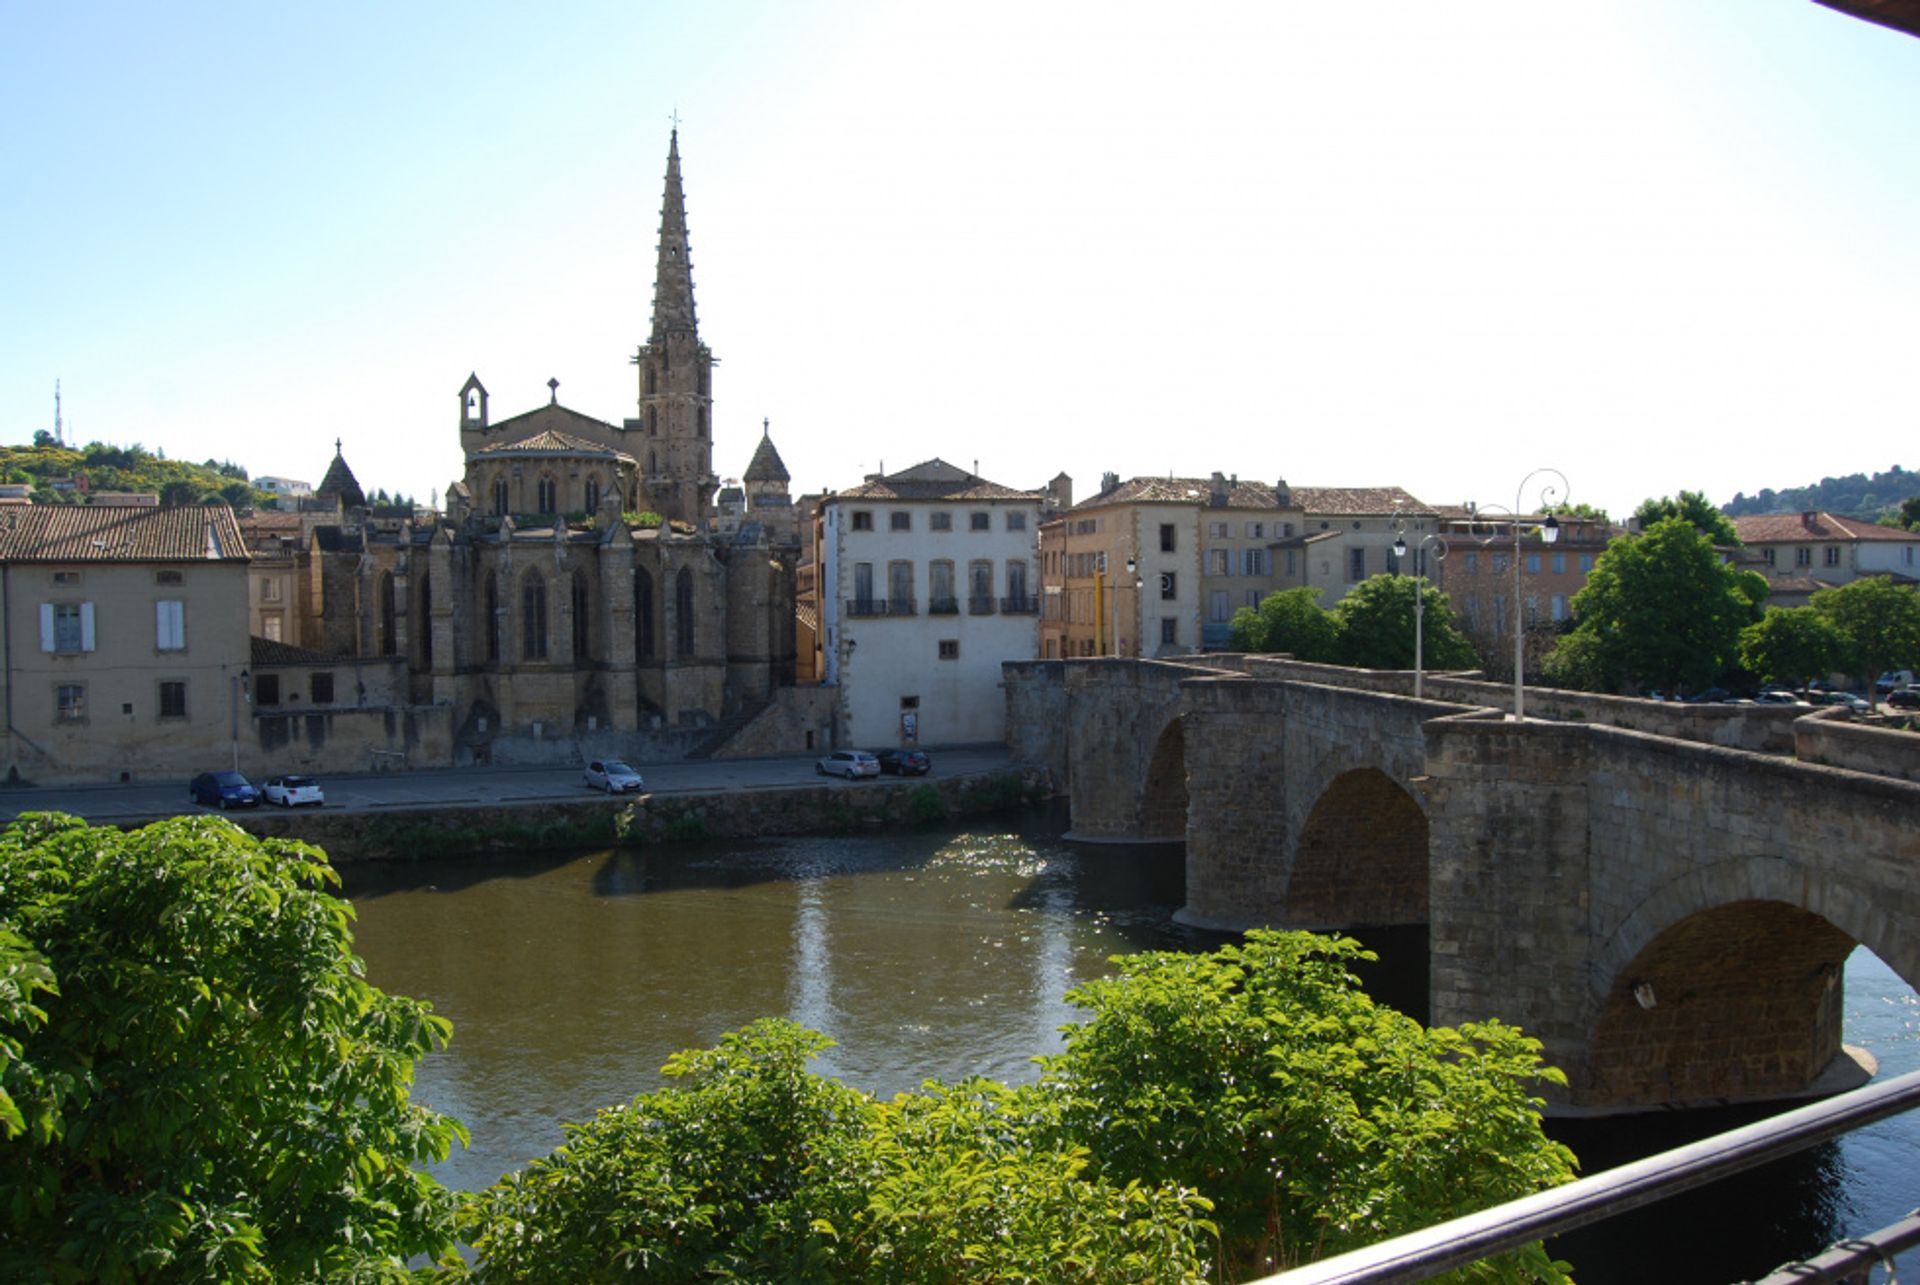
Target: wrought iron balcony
1025	605
900	606
980	605
943	606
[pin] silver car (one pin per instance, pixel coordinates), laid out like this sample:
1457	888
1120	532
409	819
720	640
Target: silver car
612	775
293	791
852	764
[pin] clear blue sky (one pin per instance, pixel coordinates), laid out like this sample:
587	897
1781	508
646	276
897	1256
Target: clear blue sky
1653	243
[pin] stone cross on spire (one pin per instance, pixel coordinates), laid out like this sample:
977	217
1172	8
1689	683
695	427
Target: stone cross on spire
673	276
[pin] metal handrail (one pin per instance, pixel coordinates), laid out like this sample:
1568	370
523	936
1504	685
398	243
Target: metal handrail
1420	1255
1853	1260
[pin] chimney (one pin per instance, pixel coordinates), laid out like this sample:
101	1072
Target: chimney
1218	498
1282	494
1108	482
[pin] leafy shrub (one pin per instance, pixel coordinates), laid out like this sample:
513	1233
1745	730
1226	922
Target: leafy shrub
202	1084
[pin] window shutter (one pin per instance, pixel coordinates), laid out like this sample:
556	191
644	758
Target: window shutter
86	626
46	626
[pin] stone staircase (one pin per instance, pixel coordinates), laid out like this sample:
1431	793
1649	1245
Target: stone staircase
726	729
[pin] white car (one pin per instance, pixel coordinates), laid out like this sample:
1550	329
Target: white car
291	791
612	775
851	764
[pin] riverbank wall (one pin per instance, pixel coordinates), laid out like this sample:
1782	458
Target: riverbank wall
562	825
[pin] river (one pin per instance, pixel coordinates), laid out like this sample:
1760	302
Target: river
943	955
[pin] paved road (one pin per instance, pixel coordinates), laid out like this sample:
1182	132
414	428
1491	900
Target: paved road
451	787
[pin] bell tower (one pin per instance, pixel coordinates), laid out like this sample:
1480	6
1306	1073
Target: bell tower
673	435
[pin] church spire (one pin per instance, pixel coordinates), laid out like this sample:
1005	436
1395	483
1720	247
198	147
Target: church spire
673	277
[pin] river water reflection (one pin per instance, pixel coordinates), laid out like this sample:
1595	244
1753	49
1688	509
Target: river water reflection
938	956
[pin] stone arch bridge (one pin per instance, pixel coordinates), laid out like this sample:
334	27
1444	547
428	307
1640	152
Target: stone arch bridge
1663	895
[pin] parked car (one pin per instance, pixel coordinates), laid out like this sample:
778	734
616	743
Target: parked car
1894	678
292	791
904	762
612	775
1905	698
223	790
851	764
1711	696
1776	696
1852	700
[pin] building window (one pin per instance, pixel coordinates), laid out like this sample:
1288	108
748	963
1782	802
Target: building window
1559	564
1169	631
862	588
1016	520
1473	563
940	599
173	700
270	628
1559	606
501	501
1533	564
1803	557
548	495
1017	599
1906	555
642	614
1499	562
270	588
533	619
170	626
1217	530
1256	531
940	520
1216	562
949	649
1256	562
1166	537
900	520
168	577
1169	585
1356	564
1217	606
320	688
862	520
1766	556
900	588
66	627
70	703
1253	599
266	689
1290	561
66	578
593	494
980	521
1833	555
980	588
683	613
1586	562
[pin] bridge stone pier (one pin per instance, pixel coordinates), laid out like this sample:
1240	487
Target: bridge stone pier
1668	915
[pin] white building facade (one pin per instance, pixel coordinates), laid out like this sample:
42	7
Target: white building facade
928	581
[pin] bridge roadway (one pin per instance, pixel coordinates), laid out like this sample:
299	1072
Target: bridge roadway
1663	895
457	787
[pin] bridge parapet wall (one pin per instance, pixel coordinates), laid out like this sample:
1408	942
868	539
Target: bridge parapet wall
1762	728
1261	758
1036	695
1117	711
1828	736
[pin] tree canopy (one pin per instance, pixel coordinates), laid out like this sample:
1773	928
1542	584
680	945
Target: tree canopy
1794	645
195	1079
1659	609
1881	622
1248	1109
1372	627
1697	509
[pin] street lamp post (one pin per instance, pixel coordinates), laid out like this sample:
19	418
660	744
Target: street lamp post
1419	590
1549	532
1113	609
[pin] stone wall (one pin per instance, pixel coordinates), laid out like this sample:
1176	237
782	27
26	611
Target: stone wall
322	739
798	721
411	834
1831	737
1036	695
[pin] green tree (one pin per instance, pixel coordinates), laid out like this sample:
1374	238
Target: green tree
203	1084
1376	626
1909	518
1881	621
1578	511
1794	645
1315	1120
750	1167
1697	509
1659	609
1291	621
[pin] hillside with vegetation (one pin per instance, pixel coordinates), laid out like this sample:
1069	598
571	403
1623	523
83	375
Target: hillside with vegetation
65	475
1874	498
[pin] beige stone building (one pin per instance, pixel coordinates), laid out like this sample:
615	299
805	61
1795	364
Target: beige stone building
125	642
1803	553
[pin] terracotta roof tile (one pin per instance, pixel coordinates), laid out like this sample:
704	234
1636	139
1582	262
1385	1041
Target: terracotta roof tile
267	651
549	441
79	533
1767	528
1356	500
933	479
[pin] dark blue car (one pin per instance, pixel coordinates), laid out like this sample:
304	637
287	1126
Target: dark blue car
224	790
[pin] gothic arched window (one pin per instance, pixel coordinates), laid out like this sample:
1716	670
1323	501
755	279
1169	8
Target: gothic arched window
423	630
642	613
500	497
548	494
683	613
533	618
593	494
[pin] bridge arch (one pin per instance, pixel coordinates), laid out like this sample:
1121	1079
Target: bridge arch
1362	855
1741	1001
1163	792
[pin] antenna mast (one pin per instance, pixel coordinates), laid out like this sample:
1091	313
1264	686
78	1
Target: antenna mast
58	439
